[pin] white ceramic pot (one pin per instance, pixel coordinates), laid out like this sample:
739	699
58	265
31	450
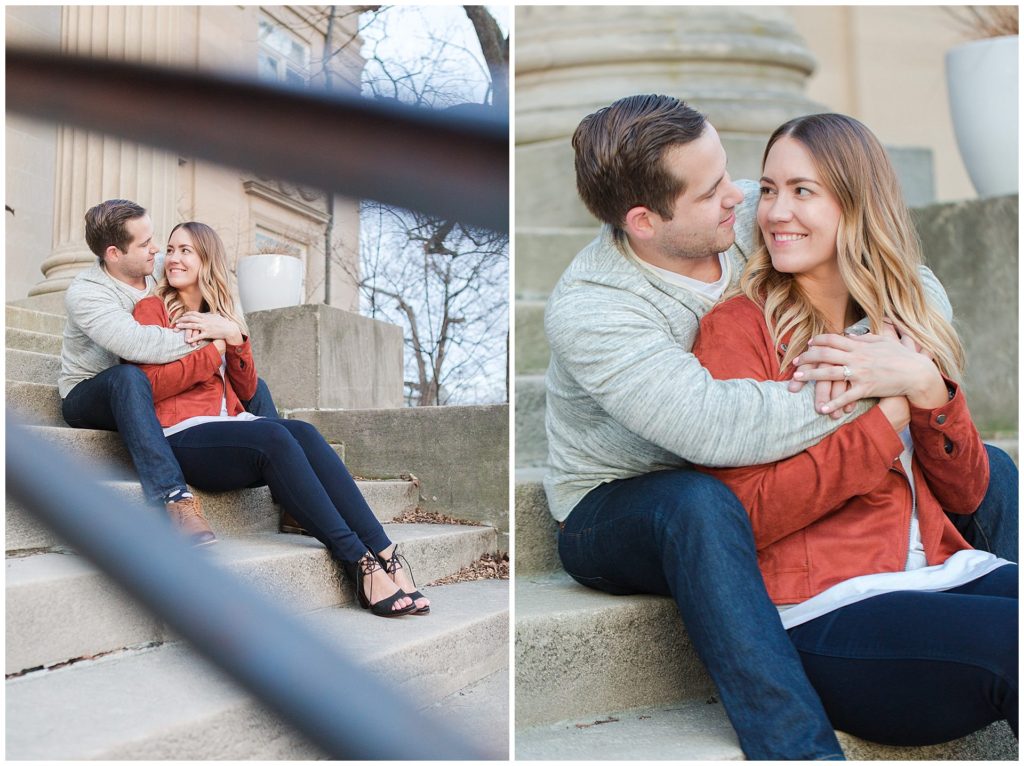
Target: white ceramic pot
982	80
270	282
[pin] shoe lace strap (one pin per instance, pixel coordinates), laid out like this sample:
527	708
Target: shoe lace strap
396	562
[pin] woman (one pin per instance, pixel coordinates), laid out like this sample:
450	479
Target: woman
908	634
221	447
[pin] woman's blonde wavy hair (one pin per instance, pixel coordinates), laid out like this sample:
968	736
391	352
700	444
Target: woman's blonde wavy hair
214	284
877	246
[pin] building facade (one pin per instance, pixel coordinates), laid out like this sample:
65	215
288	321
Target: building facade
56	172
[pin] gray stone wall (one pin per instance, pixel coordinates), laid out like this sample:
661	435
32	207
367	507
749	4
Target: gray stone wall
459	454
973	248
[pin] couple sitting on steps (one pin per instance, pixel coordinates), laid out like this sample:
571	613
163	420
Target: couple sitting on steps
846	560
189	406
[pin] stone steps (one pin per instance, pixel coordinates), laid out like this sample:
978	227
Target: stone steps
135	691
699	730
30	340
166	702
36	403
690	730
20	318
536	530
580	652
531	438
103	450
543	253
31	366
532	351
242	511
481	710
59	607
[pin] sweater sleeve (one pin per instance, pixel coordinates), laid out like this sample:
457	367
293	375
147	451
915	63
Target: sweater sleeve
785	496
625	357
172	378
101	316
949	452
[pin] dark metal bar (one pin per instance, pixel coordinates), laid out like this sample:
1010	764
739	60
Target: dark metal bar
432	161
339	706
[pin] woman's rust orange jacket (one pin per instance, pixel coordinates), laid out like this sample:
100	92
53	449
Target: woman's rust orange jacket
192	385
842	508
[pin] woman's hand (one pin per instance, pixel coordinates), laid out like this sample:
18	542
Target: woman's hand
210	326
879	365
221	346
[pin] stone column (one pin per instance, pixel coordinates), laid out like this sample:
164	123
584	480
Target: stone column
92	167
746	68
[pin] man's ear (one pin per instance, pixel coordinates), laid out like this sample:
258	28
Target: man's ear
111	254
639	222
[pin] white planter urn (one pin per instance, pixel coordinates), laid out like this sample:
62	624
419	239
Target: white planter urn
982	80
270	282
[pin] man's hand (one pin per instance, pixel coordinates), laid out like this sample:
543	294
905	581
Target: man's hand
209	326
824	391
192	338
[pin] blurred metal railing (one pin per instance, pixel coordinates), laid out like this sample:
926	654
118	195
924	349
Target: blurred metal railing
428	161
339	706
450	164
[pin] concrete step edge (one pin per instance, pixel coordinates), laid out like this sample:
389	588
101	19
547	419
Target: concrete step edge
480	713
20	318
31	366
236	512
699	730
60	607
579	651
106	709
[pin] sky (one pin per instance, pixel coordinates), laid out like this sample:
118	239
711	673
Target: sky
406	31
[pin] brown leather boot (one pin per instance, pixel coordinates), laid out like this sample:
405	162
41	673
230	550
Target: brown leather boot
290	526
187	515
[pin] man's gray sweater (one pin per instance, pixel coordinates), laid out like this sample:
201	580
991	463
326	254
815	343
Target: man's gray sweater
626	397
100	330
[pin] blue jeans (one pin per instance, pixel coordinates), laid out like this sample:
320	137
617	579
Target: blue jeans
121	399
302	470
994	526
684	534
917	668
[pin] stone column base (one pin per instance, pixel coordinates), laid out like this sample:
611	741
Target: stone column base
321	357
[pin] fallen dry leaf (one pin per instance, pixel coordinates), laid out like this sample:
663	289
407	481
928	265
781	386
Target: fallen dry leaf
489	567
418	515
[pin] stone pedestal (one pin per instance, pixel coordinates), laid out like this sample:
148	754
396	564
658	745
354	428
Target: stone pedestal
972	247
746	68
320	357
92	167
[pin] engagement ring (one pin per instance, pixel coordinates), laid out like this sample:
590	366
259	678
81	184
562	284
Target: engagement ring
846	372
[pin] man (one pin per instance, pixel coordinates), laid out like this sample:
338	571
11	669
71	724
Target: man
629	409
96	390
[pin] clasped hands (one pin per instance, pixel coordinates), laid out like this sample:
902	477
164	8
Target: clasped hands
199	326
889	365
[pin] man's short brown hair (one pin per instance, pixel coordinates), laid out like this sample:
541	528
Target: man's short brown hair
619	152
105	225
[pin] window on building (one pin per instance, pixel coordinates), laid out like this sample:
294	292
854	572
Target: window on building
283	57
270	242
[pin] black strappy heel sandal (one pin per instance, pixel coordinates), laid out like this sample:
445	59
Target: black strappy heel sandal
392	565
366	566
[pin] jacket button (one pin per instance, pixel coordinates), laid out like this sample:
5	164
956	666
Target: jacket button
940	419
